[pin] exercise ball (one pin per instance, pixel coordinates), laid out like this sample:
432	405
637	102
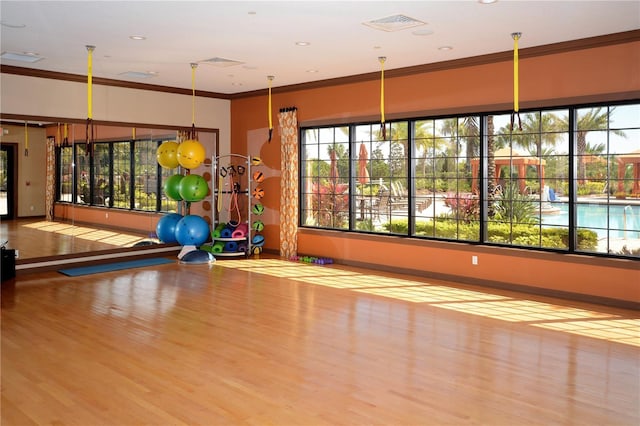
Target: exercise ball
190	154
167	154
192	230
257	240
258	226
172	187
193	188
166	227
258	209
258	193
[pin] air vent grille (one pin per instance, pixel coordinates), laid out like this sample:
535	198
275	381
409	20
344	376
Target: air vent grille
394	23
221	62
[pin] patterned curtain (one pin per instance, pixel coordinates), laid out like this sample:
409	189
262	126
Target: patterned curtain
288	120
50	178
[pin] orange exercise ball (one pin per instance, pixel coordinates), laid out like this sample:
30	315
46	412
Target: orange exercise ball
167	154
190	154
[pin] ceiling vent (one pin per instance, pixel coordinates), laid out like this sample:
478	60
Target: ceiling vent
221	62
394	23
21	57
137	74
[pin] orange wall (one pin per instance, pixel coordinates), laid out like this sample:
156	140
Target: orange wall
610	72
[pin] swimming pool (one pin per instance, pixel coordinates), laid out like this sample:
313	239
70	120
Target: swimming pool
621	221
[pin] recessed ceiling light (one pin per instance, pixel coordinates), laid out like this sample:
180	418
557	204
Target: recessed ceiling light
137	37
445	48
487	1
312	71
30	57
302	43
235	83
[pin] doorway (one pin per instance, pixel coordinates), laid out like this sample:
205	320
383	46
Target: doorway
7	181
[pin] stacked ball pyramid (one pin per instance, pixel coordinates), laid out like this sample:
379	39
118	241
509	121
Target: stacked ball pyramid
173	227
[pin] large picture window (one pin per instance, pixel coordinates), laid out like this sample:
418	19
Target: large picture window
119	174
563	179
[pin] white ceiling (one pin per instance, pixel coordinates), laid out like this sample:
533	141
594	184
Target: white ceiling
262	35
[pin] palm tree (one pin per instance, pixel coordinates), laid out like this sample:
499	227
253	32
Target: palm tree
594	119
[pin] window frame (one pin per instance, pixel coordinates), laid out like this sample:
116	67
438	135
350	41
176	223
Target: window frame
561	152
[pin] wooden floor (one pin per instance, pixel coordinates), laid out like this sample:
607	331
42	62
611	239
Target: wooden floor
272	342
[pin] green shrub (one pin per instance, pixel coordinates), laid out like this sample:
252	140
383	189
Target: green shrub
526	235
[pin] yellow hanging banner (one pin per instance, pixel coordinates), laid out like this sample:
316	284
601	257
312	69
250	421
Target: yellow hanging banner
269	113
383	128
26	139
516	72
193	93
90	50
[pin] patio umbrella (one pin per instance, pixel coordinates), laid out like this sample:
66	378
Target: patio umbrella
363	158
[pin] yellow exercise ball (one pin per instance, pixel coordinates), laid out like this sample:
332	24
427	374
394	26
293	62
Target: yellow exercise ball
190	154
167	154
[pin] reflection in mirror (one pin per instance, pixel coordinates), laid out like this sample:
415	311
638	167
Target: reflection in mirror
100	197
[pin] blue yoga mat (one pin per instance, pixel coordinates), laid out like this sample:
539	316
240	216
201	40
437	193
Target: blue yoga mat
116	266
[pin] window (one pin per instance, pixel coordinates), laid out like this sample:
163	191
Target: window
446	195
530	166
564	179
607	197
65	173
101	175
120	174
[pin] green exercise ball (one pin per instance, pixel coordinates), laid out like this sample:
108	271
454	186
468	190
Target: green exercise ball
193	188
172	187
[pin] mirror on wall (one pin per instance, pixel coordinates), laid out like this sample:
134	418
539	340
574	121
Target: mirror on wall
75	198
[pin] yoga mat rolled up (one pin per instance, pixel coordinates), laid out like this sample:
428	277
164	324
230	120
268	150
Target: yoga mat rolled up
219	228
226	233
242	247
231	246
218	247
241	231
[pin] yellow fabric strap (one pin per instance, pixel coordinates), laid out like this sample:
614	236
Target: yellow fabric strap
66	130
516	95
382	60
193	93
26	139
133	133
90	81
269	104
58	136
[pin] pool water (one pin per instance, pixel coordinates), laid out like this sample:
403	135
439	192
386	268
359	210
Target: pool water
620	220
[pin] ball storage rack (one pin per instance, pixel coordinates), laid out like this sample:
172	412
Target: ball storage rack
223	192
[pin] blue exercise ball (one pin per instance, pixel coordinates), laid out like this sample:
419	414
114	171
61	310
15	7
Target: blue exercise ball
192	230
166	227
